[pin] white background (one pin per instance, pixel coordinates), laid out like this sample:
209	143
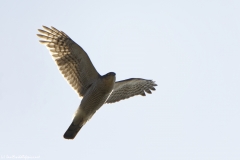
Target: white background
190	48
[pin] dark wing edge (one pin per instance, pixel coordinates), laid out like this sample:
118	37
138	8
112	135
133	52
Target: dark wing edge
129	88
71	59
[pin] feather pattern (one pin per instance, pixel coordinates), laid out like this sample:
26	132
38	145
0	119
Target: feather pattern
72	60
129	88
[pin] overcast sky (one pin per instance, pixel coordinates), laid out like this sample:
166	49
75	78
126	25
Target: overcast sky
190	48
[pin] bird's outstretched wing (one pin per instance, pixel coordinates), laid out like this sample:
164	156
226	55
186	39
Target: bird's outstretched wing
71	59
129	88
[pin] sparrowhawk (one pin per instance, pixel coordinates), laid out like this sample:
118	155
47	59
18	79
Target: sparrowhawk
79	71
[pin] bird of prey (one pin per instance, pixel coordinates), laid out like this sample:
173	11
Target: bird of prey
95	89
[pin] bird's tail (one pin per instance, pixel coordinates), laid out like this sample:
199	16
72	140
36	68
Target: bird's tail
72	130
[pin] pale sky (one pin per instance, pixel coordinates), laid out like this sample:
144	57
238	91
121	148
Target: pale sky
190	48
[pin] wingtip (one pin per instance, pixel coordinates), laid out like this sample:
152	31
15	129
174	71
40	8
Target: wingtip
44	26
148	91
53	27
153	89
39	35
154	83
43	42
143	94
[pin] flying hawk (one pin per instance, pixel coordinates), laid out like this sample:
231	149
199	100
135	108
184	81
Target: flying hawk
79	71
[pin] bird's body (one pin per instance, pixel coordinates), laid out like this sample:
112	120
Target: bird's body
79	71
95	97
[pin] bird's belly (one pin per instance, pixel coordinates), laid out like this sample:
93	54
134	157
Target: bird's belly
93	99
91	102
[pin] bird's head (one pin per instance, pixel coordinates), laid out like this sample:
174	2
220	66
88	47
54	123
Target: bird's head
111	76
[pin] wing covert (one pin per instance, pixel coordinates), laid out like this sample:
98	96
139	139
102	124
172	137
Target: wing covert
129	88
72	60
